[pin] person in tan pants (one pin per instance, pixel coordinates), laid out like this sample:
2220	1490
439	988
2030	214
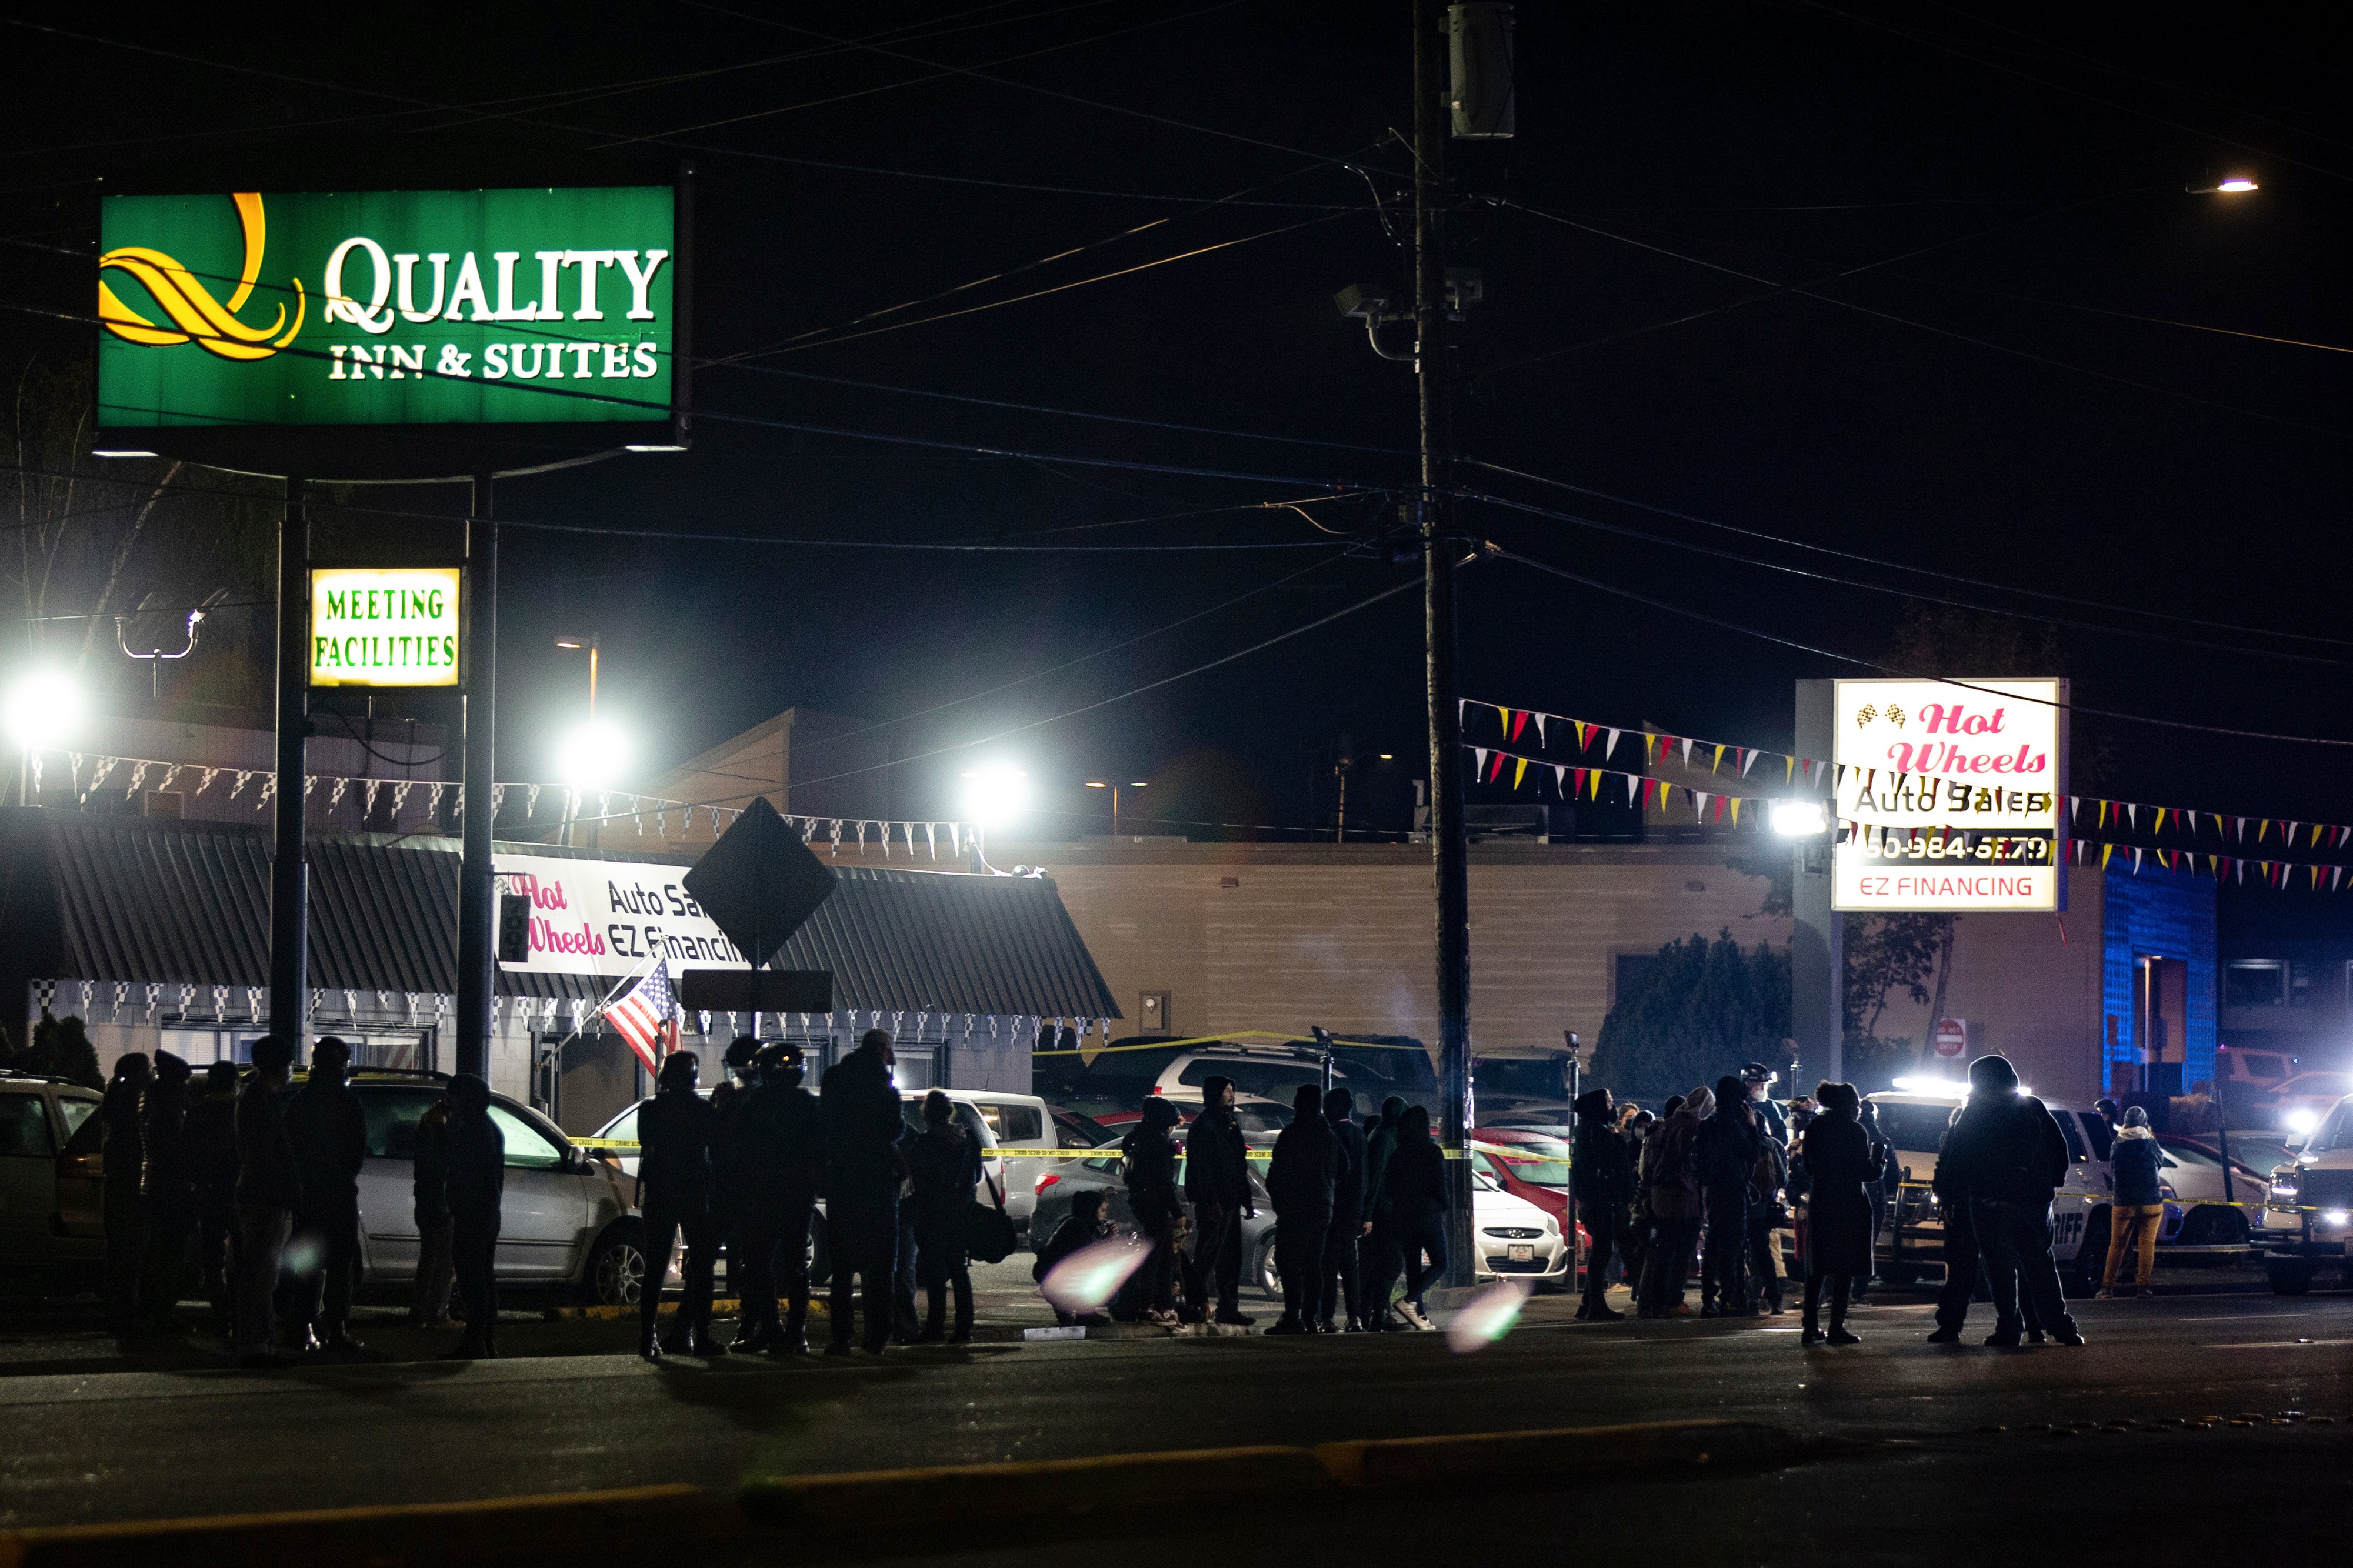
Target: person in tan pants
2140	1208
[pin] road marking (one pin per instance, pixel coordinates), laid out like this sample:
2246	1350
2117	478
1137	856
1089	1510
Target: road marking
2249	1318
2273	1344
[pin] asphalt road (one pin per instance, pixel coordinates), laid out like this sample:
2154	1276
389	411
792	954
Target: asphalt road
93	1440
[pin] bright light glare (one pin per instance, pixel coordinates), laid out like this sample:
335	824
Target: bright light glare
593	756
994	795
44	709
1931	1086
2335	1217
2301	1120
1799	818
1488	1318
2236	185
1088	1278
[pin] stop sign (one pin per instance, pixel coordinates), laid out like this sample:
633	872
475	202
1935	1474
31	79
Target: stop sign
1952	1037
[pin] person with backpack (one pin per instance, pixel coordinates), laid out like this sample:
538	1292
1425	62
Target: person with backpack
2009	1155
1672	1189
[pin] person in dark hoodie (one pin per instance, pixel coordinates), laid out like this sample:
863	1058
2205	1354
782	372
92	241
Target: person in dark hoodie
269	1188
783	1169
2009	1155
1377	1260
945	1161
1082	1227
1843	1163
1729	1143
1671	1186
1415	1186
478	1181
1217	1179
1150	1168
211	1164
2140	1207
1960	1239
676	1131
167	1191
1868	1117
863	1168
1343	1294
330	1136
123	1163
1601	1179
1300	1179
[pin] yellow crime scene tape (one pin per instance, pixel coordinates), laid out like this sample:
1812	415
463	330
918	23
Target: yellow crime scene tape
2184	1203
1109	1151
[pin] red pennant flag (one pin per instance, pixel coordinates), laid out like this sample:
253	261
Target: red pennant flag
1519	722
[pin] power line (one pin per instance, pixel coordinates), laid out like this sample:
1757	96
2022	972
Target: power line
1718	622
1903	566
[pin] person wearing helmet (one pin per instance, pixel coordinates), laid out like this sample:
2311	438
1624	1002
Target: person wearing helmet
783	1161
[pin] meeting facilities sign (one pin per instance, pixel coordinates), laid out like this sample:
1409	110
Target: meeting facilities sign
542	307
1950	794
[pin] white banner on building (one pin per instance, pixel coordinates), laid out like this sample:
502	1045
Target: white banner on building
611	917
1950	794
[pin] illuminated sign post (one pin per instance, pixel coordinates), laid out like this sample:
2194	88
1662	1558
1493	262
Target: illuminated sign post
1950	794
391	335
394	627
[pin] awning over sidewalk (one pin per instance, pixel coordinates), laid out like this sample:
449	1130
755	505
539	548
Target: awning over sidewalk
150	900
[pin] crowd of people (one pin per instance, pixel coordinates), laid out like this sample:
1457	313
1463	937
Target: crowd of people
232	1180
253	1192
1720	1171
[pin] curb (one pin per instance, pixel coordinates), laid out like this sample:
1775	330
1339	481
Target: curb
825	1510
556	1527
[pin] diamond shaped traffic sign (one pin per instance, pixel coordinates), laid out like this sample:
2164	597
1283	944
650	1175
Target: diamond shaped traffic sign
759	882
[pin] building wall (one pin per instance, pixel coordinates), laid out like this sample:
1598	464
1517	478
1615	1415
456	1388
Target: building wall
2031	987
1246	936
2162	915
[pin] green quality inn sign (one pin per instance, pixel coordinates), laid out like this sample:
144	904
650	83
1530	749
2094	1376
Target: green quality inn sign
387	308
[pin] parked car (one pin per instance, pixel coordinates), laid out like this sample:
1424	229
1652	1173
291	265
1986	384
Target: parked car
1532	1167
1102	1174
2300	1103
2318	1182
2213	1217
40	1117
1270	1066
1262	1120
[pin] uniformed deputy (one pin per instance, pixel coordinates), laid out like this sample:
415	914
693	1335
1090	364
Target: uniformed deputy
783	1164
676	1129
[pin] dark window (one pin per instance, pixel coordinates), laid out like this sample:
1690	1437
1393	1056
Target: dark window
1268	1079
1519	1078
2103	1136
2075	1149
25	1127
1914	1128
2254	982
392	1120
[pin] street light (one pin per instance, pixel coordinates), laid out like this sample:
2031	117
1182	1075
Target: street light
43	710
589	641
594	755
2235	185
1799	818
994	795
1115	786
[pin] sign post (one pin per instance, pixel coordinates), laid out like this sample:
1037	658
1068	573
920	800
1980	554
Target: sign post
1952	1037
382	336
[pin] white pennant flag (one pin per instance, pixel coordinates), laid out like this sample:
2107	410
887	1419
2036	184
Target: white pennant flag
1540	730
1478	761
1612	746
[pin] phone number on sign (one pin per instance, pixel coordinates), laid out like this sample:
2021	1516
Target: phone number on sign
2015	848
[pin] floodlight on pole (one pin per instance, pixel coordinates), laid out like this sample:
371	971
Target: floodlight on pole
2230	186
594	755
43	708
994	795
1799	818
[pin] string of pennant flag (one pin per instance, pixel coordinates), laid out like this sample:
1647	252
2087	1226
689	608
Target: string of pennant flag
651	815
2281	874
1573	783
1751	764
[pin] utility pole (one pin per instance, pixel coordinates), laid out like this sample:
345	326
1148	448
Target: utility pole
1450	851
289	884
477	884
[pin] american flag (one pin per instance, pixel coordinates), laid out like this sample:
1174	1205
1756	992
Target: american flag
647	1016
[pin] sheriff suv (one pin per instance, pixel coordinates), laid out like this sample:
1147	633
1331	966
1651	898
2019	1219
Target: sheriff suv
2311	1216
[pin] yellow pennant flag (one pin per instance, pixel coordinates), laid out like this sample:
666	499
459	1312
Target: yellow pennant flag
1736	808
1718	762
2105	850
1519	771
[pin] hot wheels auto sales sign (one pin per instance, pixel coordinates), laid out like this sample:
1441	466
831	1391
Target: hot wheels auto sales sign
1950	794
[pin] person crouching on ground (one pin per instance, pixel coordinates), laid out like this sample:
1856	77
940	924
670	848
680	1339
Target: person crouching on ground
1083	1227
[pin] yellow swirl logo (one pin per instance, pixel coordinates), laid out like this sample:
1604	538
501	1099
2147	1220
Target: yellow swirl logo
209	323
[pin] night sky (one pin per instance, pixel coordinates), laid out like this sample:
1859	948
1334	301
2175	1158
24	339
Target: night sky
2008	405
